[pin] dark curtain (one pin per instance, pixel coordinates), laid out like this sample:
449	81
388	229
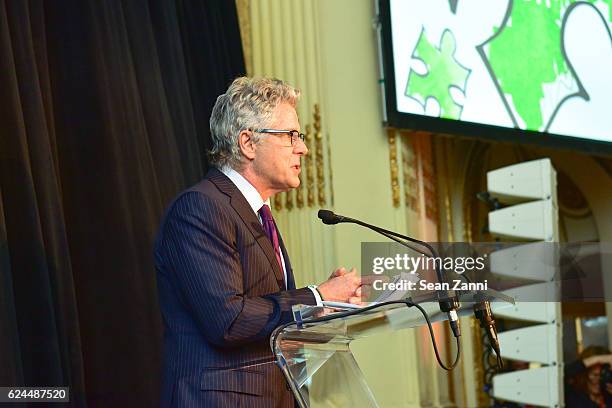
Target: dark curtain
104	109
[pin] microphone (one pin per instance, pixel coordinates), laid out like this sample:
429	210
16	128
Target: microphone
482	311
329	218
447	304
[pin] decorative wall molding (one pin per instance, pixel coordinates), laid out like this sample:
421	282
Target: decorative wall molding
319	160
410	173
394	168
310	183
284	43
243	8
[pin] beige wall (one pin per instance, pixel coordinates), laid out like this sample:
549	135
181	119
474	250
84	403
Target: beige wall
328	49
361	176
352	106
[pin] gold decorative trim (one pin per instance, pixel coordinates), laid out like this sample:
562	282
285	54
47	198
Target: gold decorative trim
464	391
329	172
320	166
471	177
447	205
289	200
428	175
243	9
579	336
481	396
278	202
309	164
449	355
467	199
299	193
393	167
410	168
476	150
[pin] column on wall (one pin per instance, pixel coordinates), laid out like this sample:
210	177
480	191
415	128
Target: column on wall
460	172
421	191
280	40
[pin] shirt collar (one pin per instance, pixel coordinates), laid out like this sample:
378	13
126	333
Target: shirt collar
247	189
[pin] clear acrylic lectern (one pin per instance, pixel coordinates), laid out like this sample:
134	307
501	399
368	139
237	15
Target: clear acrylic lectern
305	351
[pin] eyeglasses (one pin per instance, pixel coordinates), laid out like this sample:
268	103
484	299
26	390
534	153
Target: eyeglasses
294	134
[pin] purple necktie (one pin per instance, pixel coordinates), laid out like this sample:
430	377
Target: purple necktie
270	229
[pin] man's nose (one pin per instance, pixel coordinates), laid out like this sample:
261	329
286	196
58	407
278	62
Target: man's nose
300	148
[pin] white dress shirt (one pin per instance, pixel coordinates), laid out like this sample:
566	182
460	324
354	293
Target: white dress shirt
254	199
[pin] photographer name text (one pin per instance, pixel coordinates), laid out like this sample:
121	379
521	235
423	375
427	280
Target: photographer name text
456	284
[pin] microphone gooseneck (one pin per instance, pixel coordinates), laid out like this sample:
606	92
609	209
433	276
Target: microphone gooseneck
448	304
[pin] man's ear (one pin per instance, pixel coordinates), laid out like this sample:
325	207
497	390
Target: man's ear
246	144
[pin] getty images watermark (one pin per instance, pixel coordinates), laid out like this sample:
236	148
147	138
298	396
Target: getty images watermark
530	272
405	264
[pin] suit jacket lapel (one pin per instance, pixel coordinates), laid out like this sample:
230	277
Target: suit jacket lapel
245	212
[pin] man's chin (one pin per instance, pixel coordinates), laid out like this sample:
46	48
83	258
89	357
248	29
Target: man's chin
289	186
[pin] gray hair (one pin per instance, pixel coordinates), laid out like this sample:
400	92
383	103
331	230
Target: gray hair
248	103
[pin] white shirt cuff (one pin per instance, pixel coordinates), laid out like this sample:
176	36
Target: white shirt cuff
316	294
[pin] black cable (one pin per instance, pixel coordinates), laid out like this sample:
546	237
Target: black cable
433	341
372	307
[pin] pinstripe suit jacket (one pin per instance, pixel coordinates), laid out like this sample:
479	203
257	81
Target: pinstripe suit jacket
221	294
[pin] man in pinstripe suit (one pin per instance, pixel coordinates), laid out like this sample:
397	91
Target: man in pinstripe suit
224	276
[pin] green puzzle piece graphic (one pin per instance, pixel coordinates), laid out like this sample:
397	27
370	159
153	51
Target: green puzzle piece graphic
443	72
